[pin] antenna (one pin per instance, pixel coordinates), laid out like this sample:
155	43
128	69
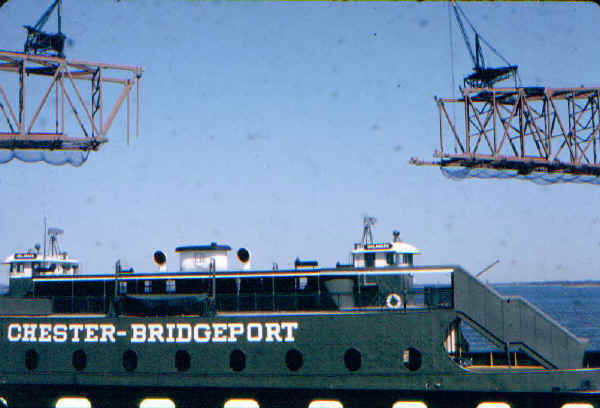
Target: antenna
45	233
53	233
487	268
368	222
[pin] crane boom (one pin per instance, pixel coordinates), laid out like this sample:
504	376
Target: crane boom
40	42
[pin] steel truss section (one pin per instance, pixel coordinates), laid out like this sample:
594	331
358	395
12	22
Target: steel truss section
81	117
530	129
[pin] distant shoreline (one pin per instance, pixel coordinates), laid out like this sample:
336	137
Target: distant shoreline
577	284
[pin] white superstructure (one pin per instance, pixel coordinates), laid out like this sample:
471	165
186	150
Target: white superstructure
36	263
201	258
369	254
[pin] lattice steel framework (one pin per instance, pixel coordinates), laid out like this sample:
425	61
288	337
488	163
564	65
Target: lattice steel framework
81	119
524	129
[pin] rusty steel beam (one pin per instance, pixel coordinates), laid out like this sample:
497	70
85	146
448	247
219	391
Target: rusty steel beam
551	130
78	111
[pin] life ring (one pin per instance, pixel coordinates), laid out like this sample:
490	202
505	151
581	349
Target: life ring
393	301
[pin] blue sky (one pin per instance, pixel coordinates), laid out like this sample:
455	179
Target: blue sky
277	125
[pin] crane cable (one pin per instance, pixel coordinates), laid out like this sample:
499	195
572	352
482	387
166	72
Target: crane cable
458	10
452	63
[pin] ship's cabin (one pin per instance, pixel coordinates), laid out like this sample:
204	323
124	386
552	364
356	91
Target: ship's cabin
383	254
51	261
203	258
32	263
381	275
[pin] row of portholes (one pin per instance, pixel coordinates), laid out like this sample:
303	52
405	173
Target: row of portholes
294	360
76	402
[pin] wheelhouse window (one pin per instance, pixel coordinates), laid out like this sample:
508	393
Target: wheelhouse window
147	286
407	259
171	288
369	260
389	257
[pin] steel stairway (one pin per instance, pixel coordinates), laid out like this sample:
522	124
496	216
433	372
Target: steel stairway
512	320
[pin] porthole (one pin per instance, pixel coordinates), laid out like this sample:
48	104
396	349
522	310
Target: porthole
237	360
294	360
352	359
411	357
130	360
32	359
79	360
183	361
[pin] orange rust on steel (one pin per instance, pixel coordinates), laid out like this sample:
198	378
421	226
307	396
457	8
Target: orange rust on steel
557	129
7	102
60	71
95	131
116	107
441	106
40	106
48	136
85	64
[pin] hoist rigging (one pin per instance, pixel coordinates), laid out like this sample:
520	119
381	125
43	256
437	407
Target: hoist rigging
482	76
43	43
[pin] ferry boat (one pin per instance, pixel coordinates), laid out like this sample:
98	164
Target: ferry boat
373	332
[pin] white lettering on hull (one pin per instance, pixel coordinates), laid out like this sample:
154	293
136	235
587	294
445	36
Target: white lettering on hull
221	332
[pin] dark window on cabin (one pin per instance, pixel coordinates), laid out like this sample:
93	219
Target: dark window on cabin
89	288
301	283
389	257
171	288
147	286
122	288
251	286
407	259
369	260
226	286
285	284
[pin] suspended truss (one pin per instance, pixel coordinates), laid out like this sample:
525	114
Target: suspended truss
73	98
539	130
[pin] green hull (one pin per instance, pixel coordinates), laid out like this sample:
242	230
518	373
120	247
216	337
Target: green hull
378	367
